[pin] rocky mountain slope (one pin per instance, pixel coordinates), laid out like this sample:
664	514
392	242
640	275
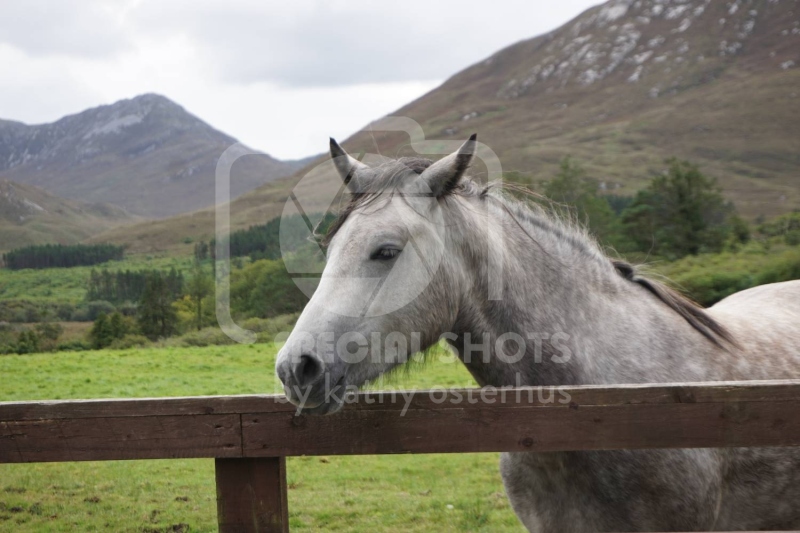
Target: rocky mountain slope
146	154
631	82
30	215
621	87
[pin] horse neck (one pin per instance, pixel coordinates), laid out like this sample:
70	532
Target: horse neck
582	323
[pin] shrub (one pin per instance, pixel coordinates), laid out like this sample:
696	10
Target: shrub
709	278
73	346
95	308
27	342
129	341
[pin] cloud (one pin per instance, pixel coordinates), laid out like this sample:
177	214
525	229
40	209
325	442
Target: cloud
279	76
86	28
336	43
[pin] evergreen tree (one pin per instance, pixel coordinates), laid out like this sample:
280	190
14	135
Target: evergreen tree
118	325
200	286
128	286
680	213
61	256
101	333
155	316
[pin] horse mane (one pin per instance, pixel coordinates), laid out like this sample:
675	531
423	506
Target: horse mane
388	175
691	311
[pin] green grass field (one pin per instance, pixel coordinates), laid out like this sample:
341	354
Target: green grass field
458	492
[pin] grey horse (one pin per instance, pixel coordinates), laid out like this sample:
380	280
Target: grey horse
412	257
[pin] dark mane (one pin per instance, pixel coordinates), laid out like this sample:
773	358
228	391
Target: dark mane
692	312
388	176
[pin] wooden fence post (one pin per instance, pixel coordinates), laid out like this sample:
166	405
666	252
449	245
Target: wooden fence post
251	495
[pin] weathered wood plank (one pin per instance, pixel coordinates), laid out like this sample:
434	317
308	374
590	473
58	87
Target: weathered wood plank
251	495
750	391
487	429
575	418
153	437
133	407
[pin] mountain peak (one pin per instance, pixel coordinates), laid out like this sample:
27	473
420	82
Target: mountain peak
146	154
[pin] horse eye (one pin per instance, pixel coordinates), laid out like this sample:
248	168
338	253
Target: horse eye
384	254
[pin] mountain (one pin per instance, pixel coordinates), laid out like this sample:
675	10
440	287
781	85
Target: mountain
621	87
146	154
30	215
629	83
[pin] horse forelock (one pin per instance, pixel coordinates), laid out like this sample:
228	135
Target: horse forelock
376	182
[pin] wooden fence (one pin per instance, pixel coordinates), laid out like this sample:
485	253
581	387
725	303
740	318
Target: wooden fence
250	436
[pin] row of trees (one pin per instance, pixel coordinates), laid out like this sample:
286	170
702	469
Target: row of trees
61	256
163	295
681	212
129	285
267	241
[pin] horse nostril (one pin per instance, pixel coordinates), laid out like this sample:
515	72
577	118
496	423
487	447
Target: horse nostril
307	370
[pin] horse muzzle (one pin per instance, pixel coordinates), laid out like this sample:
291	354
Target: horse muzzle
310	384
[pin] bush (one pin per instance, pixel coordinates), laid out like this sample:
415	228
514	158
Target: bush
73	346
65	312
129	341
211	336
48	333
265	328
781	226
21	311
27	342
709	278
95	308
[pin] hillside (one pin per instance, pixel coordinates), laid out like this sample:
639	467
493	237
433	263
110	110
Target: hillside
146	154
621	87
30	215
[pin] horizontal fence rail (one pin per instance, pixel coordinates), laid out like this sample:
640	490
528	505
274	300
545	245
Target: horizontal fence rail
720	414
250	436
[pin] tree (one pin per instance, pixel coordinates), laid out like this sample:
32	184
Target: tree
200	286
265	289
101	333
27	342
119	325
201	251
572	188
156	316
680	213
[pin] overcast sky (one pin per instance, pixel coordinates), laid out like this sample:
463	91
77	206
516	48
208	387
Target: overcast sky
279	76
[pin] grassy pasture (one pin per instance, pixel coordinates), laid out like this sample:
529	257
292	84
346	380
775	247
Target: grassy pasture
457	492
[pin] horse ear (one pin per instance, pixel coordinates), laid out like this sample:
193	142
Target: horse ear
346	166
443	176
